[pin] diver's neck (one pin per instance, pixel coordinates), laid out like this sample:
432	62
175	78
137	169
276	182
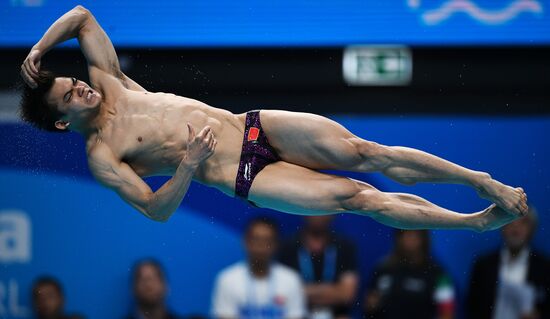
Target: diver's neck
93	123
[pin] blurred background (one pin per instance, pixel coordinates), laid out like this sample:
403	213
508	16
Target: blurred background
467	80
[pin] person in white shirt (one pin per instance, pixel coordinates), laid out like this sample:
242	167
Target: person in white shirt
259	287
513	282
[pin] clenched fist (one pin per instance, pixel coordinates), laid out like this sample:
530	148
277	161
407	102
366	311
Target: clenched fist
199	146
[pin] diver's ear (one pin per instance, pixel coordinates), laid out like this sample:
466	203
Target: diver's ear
62	125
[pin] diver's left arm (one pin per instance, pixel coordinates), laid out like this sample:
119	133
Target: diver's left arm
66	27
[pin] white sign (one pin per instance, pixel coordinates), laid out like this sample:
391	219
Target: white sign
377	65
15	237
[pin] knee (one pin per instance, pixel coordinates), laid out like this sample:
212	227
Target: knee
376	155
367	200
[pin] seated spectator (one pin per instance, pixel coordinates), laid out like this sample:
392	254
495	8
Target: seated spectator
150	289
408	283
514	281
327	264
258	287
48	299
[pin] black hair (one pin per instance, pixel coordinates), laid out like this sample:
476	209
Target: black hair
34	108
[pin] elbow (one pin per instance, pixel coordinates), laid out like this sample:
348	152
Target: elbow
81	11
161	220
154	213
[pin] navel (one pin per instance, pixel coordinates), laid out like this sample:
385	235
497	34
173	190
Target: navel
139	139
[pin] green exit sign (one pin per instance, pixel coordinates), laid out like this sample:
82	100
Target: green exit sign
377	65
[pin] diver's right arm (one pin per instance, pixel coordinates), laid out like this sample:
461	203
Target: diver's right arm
66	27
96	46
159	205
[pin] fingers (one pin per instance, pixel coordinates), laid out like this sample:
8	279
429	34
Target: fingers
204	132
209	137
28	65
28	74
212	143
33	67
27	78
204	137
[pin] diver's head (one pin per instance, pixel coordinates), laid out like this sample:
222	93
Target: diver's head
58	101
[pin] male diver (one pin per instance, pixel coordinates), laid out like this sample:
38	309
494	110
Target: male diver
270	158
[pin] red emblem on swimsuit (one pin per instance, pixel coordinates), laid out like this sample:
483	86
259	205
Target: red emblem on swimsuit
253	133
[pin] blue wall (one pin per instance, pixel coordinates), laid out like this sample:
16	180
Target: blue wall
290	22
89	238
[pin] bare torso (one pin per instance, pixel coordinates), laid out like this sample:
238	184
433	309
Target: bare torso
148	131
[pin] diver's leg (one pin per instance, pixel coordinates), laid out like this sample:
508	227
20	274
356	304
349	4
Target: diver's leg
317	142
297	190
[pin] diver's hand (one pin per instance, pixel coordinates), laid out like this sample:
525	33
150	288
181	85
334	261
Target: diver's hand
199	146
30	68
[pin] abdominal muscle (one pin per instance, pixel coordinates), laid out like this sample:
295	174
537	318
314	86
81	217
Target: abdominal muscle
149	133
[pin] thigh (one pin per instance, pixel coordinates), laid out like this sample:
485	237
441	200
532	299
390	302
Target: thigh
310	140
294	189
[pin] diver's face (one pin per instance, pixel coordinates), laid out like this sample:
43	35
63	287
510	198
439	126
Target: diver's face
72	96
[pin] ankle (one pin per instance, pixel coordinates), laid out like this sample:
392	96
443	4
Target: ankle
479	180
476	222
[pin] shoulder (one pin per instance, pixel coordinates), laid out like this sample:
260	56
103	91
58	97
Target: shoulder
235	272
101	160
99	152
108	83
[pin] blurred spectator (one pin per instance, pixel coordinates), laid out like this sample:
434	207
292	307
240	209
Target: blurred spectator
150	290
328	266
258	287
408	283
48	299
512	282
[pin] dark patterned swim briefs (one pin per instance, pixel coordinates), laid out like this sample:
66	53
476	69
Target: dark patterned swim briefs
256	154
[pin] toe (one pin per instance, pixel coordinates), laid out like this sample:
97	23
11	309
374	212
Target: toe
518	209
523	209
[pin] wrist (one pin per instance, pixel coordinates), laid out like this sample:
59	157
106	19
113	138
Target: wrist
37	48
188	164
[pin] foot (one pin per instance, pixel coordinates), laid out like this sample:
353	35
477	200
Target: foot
512	200
493	217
